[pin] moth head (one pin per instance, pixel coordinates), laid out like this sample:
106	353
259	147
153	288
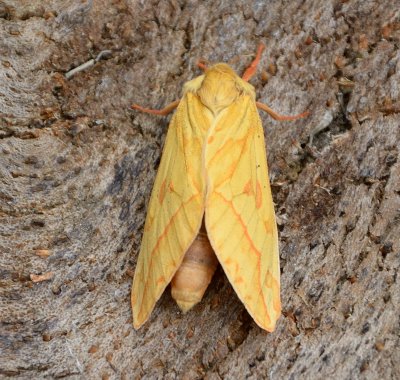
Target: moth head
219	87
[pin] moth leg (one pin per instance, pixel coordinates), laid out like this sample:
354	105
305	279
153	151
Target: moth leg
165	111
279	117
250	71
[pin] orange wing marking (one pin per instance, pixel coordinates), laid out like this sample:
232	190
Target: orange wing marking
248	189
238	280
160	280
228	261
161	194
268	227
271	283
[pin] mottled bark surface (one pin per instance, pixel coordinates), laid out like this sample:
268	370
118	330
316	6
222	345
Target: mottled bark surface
77	167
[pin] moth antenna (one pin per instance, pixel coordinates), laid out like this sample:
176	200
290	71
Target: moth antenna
251	70
202	64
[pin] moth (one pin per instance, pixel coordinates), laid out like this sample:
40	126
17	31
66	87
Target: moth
211	202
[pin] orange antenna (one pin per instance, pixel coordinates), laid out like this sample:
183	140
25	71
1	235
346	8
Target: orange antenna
251	70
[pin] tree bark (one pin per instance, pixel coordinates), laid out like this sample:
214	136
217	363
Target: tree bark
77	167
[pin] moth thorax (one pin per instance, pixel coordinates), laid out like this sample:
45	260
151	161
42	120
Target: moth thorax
195	273
218	90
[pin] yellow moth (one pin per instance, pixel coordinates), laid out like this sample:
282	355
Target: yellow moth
211	202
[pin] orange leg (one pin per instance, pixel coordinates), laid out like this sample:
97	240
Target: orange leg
250	71
165	111
278	117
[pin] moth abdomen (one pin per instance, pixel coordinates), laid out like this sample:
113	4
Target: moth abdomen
195	273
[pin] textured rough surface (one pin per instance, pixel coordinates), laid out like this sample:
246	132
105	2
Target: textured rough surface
76	170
